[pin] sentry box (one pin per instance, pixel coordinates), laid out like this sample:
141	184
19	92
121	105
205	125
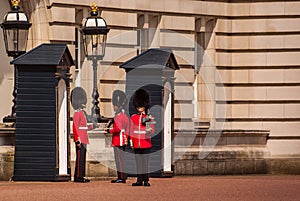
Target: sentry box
42	151
153	70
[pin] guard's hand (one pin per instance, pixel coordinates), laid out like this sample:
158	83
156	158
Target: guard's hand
149	130
78	144
131	143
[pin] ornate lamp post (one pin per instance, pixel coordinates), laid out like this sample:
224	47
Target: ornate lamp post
15	31
94	31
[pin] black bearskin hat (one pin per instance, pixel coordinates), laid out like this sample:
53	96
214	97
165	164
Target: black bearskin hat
141	98
78	98
118	98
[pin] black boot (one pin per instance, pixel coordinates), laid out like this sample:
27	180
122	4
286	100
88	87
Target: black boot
118	181
137	184
146	183
81	180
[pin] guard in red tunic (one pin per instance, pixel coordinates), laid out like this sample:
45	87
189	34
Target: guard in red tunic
141	129
80	128
119	134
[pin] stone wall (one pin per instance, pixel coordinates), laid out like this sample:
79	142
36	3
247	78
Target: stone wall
247	53
6	163
221	152
7	140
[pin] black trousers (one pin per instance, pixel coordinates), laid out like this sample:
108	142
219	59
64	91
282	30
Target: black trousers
142	157
80	161
119	153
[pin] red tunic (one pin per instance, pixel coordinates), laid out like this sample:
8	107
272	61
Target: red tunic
138	134
80	127
120	130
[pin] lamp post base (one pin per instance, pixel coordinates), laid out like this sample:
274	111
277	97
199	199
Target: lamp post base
9	119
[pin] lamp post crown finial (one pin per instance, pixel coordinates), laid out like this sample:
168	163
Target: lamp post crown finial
94	9
15	3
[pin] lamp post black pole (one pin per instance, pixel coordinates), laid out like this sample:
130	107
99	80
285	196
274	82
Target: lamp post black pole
12	116
13	109
95	95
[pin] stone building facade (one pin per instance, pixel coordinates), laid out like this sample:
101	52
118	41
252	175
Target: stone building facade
239	61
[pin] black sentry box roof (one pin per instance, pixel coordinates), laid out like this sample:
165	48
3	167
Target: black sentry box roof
44	55
152	58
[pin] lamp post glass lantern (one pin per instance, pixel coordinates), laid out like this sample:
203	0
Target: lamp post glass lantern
15	31
94	33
